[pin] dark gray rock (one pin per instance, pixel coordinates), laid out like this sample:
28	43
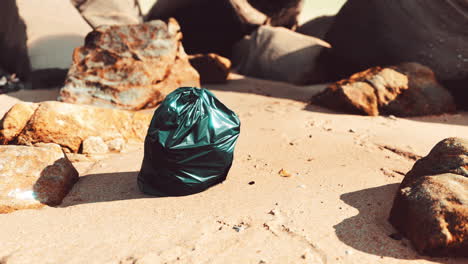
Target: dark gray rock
431	205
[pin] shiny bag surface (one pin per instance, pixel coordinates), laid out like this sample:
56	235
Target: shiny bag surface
190	144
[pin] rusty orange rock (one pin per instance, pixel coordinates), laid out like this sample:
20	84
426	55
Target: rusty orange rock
68	125
129	67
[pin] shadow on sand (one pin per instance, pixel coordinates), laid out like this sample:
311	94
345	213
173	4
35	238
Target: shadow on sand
106	187
241	84
369	231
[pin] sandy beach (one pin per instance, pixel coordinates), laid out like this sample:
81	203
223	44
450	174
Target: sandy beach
344	170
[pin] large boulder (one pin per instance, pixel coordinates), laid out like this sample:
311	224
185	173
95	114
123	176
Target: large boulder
431	205
129	67
368	33
214	26
34	176
109	12
14	57
264	55
409	89
68	125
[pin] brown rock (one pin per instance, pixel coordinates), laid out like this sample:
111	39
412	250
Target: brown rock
448	156
362	37
431	205
68	125
15	120
408	89
355	98
212	68
426	95
31	177
129	67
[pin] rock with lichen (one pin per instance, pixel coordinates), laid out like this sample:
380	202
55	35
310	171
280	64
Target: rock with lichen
129	66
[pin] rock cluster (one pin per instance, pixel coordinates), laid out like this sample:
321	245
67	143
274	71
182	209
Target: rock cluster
431	205
362	37
34	176
73	127
408	89
129	67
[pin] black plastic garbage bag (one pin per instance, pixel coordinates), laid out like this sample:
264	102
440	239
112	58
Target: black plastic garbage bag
190	144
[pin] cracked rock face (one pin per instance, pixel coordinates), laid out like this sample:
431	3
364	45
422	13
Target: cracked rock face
34	176
408	89
129	67
431	205
68	125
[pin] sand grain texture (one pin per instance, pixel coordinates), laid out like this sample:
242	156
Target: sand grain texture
344	170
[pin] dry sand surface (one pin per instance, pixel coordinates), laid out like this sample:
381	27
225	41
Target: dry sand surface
344	171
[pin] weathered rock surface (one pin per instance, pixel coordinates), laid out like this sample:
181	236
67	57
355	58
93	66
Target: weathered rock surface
317	27
212	68
370	33
31	177
15	120
408	89
129	67
68	125
431	205
264	55
214	26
